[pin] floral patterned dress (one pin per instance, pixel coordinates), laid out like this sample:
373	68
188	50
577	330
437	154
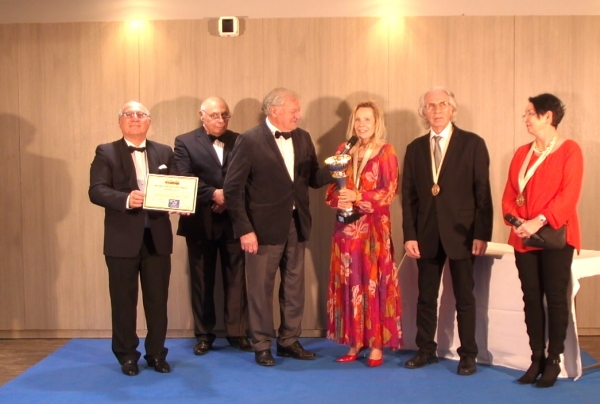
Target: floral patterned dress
364	293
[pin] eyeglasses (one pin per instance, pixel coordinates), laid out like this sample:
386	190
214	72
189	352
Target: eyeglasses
215	116
529	114
138	114
442	105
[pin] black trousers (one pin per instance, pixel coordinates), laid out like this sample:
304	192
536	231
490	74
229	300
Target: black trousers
430	275
154	272
202	256
546	273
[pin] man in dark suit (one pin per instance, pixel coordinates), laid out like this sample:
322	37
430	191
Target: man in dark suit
266	190
136	242
205	153
447	213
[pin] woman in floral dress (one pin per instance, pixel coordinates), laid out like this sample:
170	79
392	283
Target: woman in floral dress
364	296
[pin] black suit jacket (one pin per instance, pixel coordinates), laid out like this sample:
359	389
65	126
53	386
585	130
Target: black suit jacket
462	211
259	191
112	178
195	156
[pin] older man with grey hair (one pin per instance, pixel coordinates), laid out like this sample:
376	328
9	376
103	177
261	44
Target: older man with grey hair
447	213
266	189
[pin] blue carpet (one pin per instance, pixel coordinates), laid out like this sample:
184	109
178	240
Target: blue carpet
85	371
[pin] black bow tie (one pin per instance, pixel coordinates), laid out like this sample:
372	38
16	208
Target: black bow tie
286	135
133	148
212	138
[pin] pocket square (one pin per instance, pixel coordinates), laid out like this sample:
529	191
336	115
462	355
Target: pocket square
162	167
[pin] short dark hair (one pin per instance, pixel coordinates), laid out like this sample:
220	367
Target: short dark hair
549	102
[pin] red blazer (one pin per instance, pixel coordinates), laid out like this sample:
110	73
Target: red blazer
553	191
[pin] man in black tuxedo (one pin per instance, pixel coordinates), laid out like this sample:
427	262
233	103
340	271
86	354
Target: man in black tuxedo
266	190
136	242
205	153
447	213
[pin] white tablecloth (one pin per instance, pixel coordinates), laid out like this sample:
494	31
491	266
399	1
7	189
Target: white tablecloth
501	333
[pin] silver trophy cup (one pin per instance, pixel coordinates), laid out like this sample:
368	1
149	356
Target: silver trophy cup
337	166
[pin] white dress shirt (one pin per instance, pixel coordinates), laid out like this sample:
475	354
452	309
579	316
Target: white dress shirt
286	147
446	134
140	161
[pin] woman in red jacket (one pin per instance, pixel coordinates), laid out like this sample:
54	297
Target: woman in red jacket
543	187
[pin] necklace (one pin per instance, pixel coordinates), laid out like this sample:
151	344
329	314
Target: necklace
550	145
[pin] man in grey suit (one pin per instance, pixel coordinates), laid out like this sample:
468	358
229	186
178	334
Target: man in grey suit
266	189
137	243
447	213
205	153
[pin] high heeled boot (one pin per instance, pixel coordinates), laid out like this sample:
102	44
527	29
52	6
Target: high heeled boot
538	361
551	372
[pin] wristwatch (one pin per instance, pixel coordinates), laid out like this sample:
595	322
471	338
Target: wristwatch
542	218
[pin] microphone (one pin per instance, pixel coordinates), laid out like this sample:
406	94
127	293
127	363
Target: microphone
351	142
516	222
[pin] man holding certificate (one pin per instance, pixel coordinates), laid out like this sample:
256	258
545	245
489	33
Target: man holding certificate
137	242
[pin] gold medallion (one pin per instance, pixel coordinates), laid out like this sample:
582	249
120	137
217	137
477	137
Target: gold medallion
435	189
520	200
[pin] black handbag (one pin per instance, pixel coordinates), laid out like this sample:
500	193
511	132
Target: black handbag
551	238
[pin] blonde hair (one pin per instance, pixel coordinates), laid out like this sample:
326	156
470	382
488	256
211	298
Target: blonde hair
380	132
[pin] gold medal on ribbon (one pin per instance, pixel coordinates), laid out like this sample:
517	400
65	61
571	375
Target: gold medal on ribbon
435	189
520	200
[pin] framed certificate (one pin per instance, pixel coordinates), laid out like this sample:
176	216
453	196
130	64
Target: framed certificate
171	193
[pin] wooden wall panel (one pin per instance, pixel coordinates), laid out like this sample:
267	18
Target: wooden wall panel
183	63
473	57
171	72
12	128
76	77
66	82
237	74
586	304
559	55
324	61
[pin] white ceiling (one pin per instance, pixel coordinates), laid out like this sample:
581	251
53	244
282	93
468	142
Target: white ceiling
21	11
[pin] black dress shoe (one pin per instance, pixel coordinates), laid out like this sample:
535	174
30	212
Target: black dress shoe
295	351
202	347
240	343
264	358
466	366
130	367
160	365
419	360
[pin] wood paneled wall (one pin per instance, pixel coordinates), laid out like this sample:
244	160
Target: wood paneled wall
61	86
12	127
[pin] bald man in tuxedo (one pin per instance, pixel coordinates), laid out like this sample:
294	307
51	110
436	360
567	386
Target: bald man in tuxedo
137	243
205	153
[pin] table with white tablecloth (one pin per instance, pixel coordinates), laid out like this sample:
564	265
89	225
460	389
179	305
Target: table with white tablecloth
500	330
